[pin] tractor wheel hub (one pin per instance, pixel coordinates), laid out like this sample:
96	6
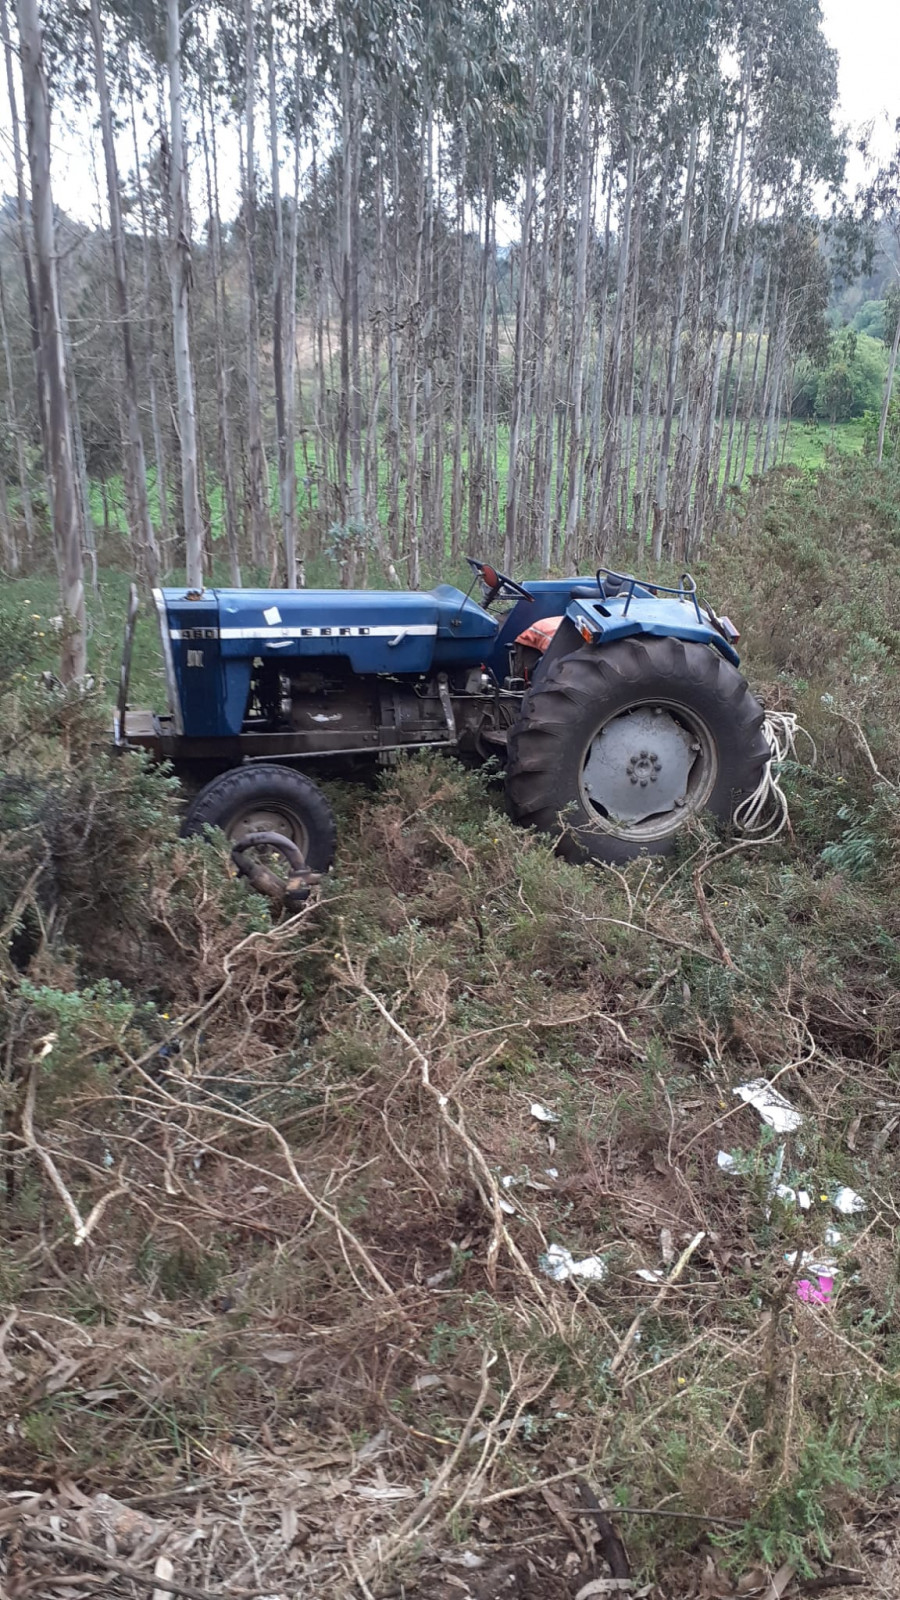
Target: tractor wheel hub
644	768
639	765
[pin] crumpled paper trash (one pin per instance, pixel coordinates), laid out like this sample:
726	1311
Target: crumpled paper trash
559	1264
772	1106
847	1201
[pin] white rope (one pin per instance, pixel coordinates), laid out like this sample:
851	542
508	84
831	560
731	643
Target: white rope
763	815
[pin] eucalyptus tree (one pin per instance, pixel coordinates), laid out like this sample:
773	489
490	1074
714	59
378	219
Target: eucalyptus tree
880	204
284	285
180	275
549	270
135	461
218	290
66	529
257	472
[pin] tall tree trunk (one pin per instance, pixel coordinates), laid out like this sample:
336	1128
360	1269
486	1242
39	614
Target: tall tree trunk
17	433
476	423
596	532
135	464
412	517
220	321
379	306
888	388
53	359
180	277
431	515
346	251
151	333
22	217
321	311
9	551
661	500
458	431
356	499
296	566
393	347
541	363
516	467
580	333
87	531
257	474
550	551
287	471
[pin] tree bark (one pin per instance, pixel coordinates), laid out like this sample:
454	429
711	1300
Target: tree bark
660	502
287	472
53	360
180	277
888	389
135	463
17	433
151	332
257	474
219	303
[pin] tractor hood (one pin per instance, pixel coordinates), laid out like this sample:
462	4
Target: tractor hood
339	617
211	637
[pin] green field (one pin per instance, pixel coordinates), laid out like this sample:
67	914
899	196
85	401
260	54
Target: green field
802	444
807	447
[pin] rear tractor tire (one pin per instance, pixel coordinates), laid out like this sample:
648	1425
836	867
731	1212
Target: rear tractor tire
617	749
265	798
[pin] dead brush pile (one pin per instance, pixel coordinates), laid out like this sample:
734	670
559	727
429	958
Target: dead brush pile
284	1203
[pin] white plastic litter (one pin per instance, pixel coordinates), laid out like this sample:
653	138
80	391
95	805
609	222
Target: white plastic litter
559	1264
541	1114
726	1162
794	1197
833	1236
649	1275
772	1106
817	1261
848	1202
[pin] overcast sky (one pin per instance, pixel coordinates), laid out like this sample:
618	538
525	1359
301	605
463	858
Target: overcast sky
866	36
865	33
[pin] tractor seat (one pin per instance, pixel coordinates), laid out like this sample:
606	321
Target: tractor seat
586	591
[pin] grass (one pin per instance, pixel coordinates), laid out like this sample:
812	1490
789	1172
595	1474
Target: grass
808	444
36	597
805	445
344	1324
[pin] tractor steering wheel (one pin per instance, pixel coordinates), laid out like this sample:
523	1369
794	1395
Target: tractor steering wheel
497	582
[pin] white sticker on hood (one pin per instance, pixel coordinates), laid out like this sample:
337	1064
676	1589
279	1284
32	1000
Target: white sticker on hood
272	616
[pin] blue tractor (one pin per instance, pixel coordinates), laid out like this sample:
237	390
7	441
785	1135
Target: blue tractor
615	706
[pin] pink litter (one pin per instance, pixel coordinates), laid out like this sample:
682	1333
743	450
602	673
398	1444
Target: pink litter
818	1293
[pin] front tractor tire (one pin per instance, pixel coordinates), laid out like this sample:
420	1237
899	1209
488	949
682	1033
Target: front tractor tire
618	749
265	798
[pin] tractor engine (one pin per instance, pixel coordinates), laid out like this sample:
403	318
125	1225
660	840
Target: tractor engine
335	711
356	705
